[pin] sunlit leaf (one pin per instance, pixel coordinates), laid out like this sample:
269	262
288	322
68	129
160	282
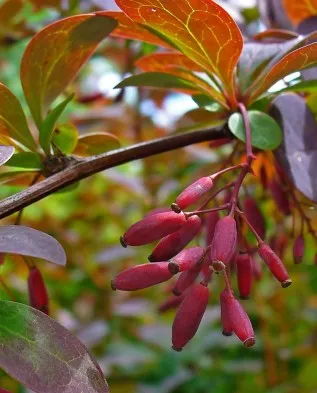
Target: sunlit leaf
266	134
27	160
13	119
309	86
65	137
43	355
296	60
298	153
47	127
128	29
6	153
96	143
202	30
21	240
56	54
298	10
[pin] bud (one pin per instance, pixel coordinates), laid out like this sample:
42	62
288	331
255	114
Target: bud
299	249
141	276
211	220
274	264
194	192
225	321
186	259
244	275
152	228
171	303
240	322
189	316
186	279
254	216
172	244
224	243
38	296
280	197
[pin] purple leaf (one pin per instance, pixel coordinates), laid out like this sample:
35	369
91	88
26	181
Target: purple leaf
43	355
298	152
18	239
6	153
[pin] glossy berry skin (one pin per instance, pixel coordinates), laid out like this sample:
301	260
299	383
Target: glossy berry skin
172	244
274	264
254	216
194	192
141	276
186	279
38	296
224	243
186	259
189	315
152	228
225	320
299	249
244	275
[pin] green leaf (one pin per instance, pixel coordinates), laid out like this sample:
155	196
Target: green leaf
156	79
304	86
65	137
13	118
48	125
27	160
43	355
266	134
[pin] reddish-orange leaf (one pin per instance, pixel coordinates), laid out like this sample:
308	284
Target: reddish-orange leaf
201	29
275	34
96	143
297	60
56	54
181	66
128	29
298	10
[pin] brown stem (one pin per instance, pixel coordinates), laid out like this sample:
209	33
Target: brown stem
85	168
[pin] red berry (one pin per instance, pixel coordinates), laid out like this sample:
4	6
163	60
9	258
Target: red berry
170	303
152	228
186	279
186	259
299	249
172	244
254	216
244	275
142	276
223	246
274	264
225	321
194	192
189	316
38	296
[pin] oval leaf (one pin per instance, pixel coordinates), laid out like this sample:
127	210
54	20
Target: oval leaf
298	10
96	143
6	153
265	131
26	160
21	240
65	137
43	355
13	118
56	54
298	153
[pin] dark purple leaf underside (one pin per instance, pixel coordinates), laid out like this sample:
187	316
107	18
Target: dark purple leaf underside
43	355
298	152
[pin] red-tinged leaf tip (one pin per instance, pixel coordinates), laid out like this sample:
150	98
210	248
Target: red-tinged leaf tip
194	192
274	264
189	316
142	276
224	243
153	227
299	249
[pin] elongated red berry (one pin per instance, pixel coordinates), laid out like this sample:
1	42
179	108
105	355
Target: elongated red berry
224	242
194	192
274	264
240	322
254	216
186	279
299	249
171	303
141	276
186	259
211	221
189	316
280	197
244	274
38	296
225	321
152	228
172	244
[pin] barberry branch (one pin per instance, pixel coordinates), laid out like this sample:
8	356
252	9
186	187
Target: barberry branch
79	170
